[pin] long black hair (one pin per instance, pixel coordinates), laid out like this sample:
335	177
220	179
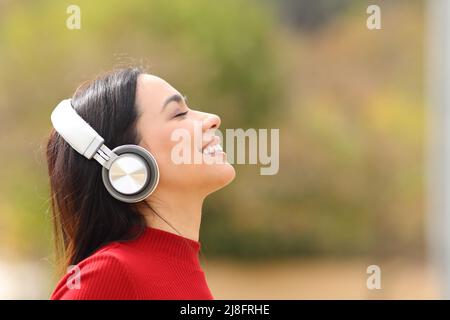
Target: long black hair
85	216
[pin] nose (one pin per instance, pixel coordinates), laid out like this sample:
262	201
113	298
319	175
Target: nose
211	121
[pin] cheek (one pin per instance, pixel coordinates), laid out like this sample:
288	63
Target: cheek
161	145
157	141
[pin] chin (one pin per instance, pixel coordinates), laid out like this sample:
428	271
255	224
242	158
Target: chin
218	176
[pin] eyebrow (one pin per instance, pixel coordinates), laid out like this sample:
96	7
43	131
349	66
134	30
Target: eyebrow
176	97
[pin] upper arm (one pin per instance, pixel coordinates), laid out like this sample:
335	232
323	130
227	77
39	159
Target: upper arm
103	277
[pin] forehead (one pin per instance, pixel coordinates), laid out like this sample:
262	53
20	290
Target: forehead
152	91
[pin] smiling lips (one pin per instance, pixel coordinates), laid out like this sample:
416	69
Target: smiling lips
212	147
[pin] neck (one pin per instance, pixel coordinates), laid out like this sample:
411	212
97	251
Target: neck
169	211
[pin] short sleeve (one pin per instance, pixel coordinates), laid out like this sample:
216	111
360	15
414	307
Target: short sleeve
102	277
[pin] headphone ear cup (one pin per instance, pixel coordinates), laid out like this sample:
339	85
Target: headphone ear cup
130	157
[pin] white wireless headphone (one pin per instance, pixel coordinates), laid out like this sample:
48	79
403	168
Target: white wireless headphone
130	173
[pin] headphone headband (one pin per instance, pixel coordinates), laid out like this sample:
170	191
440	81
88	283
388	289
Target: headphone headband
80	135
77	132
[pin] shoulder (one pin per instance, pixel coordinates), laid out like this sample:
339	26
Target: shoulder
103	275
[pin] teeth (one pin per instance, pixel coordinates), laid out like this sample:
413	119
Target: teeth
212	149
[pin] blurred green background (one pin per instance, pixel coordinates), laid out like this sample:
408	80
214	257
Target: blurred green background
348	102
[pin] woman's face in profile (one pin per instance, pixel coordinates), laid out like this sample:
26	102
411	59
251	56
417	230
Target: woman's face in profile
184	141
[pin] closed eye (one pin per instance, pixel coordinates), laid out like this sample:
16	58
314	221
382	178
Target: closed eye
181	114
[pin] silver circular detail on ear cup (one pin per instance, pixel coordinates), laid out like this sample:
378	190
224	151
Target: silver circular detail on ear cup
128	173
133	175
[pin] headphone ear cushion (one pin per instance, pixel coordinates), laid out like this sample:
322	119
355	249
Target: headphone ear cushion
151	179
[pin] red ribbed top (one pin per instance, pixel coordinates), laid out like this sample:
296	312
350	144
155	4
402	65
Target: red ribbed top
157	265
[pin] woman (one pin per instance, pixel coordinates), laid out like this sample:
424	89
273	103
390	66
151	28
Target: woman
143	250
